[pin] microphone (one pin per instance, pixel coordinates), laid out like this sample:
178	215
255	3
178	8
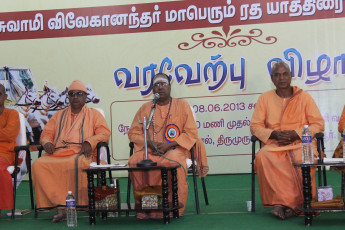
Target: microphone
153	107
155	98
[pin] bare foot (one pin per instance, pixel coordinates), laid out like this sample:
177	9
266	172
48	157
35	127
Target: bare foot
142	215
60	216
278	211
289	212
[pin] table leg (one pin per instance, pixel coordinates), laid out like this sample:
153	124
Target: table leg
307	195
342	183
103	183
165	193
92	217
175	202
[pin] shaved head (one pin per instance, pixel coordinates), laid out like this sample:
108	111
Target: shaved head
279	64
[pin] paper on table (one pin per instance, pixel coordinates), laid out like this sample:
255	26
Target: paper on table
95	165
337	160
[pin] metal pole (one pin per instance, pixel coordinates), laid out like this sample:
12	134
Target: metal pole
145	136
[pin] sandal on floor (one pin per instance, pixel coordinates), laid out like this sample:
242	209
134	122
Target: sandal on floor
142	216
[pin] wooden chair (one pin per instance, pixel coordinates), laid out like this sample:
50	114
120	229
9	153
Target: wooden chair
320	149
101	155
105	156
342	189
191	170
21	151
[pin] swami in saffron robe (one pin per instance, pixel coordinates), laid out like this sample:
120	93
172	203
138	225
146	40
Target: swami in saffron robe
54	175
338	152
180	115
341	124
9	129
280	182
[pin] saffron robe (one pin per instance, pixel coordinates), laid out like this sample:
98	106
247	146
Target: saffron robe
280	182
54	175
9	129
180	115
341	124
338	152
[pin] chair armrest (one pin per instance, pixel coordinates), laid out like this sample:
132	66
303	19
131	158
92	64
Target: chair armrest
131	148
17	149
20	148
99	146
192	158
319	136
320	145
254	139
40	150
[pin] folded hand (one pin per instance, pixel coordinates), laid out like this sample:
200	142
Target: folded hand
49	148
285	137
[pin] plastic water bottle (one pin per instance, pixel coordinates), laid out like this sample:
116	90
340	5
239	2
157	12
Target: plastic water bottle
71	210
117	186
344	145
307	146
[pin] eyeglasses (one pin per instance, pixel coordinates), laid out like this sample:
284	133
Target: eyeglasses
78	94
285	74
163	84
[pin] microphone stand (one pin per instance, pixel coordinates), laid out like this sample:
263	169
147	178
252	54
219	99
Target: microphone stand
152	111
150	117
146	162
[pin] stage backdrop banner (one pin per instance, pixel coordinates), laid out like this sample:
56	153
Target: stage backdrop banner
218	55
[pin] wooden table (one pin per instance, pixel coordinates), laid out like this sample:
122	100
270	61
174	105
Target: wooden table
308	211
127	207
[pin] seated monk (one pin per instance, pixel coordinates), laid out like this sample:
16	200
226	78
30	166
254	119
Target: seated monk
69	140
9	129
278	121
176	115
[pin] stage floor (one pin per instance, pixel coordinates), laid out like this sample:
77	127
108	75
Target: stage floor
227	210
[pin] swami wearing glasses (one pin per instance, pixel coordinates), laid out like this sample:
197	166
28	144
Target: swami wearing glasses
69	140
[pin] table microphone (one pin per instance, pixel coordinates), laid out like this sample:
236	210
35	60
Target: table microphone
153	107
155	98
